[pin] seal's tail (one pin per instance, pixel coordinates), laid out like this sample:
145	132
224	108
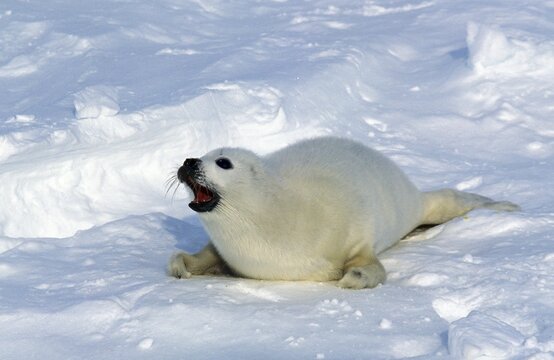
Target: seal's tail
443	205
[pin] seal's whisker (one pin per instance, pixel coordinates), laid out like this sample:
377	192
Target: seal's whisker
170	183
171	179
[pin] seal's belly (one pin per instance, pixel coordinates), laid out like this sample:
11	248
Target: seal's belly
272	263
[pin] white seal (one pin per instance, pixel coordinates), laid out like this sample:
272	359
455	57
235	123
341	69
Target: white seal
320	209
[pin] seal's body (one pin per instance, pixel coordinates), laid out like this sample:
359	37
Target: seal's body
320	210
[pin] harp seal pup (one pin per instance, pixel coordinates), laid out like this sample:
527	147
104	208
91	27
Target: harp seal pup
320	209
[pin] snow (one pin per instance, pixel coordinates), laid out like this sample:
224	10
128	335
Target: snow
96	102
480	336
102	101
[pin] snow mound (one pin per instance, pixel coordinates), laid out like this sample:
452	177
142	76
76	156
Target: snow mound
482	336
96	101
493	53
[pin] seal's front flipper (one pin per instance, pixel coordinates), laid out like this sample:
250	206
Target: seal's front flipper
367	275
206	262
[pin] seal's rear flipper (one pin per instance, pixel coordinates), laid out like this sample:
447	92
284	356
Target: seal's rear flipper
501	206
443	205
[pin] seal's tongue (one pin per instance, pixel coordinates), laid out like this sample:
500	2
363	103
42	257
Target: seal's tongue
203	195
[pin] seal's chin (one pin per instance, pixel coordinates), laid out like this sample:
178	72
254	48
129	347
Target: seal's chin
205	199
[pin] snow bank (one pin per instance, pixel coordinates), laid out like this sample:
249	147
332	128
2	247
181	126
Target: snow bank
137	153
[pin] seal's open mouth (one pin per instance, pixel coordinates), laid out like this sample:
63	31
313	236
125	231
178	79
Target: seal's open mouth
205	199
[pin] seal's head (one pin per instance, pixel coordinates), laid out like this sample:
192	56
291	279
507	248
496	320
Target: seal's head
206	197
220	175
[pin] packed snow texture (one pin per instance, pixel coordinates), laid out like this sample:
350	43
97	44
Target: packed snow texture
103	100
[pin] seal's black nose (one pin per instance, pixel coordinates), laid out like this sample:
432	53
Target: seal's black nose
191	164
189	169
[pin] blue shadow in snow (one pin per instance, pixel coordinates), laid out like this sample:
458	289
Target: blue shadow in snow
189	233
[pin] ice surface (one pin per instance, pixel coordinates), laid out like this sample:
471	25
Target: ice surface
101	102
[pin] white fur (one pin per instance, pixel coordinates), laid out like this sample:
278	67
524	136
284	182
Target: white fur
318	210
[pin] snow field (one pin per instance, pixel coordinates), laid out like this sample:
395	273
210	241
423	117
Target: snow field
101	102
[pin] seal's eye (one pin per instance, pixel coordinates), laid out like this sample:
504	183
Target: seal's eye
224	163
